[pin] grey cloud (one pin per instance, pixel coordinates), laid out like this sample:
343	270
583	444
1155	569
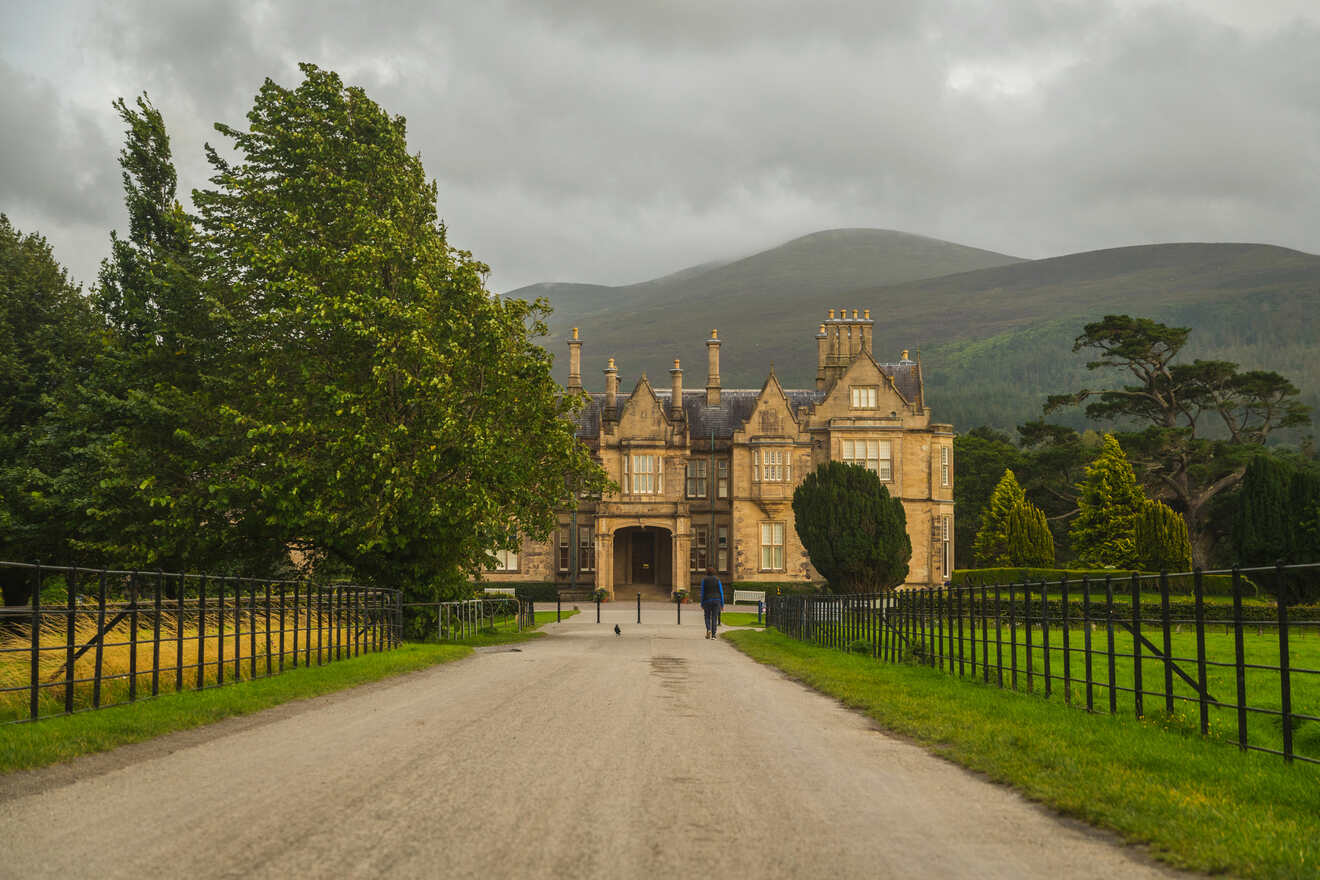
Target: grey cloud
603	141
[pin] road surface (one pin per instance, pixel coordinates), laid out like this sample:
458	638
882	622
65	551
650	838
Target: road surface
656	754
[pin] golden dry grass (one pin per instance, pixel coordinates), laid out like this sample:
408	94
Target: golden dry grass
117	654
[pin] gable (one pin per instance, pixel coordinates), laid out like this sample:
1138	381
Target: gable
864	372
643	416
772	416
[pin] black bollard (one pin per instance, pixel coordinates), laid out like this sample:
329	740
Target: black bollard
558	609
598	609
760	606
639	607
678	608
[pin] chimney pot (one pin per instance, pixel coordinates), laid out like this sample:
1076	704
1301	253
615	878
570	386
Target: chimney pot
676	394
713	369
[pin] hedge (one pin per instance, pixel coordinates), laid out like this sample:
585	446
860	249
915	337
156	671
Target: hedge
1179	584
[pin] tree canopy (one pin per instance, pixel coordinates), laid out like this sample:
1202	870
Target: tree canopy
1198	422
854	532
1109	502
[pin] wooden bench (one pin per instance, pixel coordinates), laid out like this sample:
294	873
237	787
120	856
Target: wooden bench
500	591
757	596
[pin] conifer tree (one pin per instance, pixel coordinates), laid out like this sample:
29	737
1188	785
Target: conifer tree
1109	502
1161	539
991	545
1030	543
1262	520
853	530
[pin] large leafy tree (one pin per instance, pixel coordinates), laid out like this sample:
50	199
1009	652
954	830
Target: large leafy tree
1109	502
47	338
854	532
1202	420
149	414
398	419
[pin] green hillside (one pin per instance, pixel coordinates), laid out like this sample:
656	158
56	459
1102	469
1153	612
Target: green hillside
778	292
994	340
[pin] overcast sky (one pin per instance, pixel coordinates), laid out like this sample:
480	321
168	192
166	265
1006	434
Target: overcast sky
611	141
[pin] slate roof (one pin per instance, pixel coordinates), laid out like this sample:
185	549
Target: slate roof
736	404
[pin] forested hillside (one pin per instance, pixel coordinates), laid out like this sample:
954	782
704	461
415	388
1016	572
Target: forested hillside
994	341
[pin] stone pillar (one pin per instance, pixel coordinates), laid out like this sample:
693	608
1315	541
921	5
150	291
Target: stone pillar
611	391
676	394
575	362
822	348
713	369
605	559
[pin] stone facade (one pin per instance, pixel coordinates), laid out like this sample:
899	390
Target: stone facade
707	476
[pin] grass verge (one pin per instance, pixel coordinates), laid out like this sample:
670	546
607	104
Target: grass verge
738	618
25	746
1196	804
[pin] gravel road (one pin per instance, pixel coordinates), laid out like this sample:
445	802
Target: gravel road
656	754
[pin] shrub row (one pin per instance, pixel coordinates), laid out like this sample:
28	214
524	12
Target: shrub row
1179	584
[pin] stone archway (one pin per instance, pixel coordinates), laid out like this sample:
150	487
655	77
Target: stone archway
644	561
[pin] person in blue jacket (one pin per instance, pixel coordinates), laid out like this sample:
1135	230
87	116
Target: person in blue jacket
712	600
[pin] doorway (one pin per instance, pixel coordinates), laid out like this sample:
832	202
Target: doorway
643	556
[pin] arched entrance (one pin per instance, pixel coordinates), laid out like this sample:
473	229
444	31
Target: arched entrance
644	561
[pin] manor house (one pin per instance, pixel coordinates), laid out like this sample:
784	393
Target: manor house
706	477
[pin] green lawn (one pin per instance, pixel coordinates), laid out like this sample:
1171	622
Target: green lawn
23	746
1196	803
1260	649
738	618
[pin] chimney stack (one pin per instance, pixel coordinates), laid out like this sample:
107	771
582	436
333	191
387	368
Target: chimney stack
575	362
611	391
676	396
713	369
867	328
822	349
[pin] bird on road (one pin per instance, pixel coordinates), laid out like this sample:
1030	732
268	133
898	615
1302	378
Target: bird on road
617	631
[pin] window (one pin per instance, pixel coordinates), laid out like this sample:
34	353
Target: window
587	547
563	554
771	466
944	465
700	544
696	479
772	546
722	478
641	475
945	547
505	560
722	548
876	455
864	396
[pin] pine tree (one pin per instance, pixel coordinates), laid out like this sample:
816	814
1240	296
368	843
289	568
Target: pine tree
1161	539
1030	543
991	545
1109	502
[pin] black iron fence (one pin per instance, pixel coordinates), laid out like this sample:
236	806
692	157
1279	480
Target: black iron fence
1244	668
465	618
92	638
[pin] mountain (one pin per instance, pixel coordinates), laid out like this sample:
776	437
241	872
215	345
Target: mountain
778	292
995	332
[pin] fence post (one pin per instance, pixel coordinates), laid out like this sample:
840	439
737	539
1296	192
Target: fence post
100	627
1239	660
132	636
1026	628
178	636
1086	640
985	640
1109	627
252	633
1045	635
1198	591
971	627
1067	640
267	616
155	633
1168	641
69	640
201	633
1138	695
1285	683
35	644
220	634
